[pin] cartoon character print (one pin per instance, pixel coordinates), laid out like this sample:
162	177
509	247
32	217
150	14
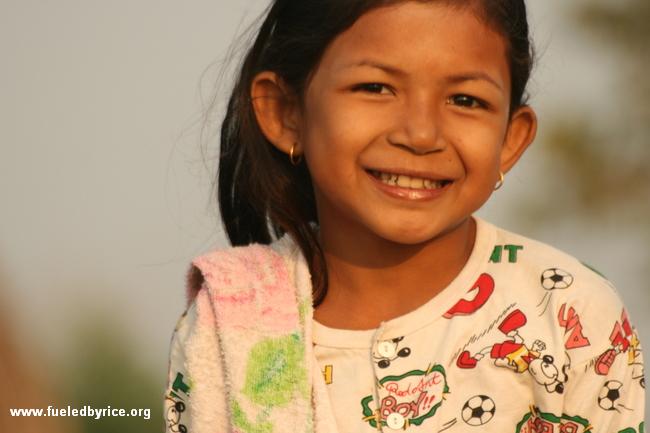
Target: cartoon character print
512	251
609	396
478	410
638	373
388	351
447	425
553	279
479	294
519	357
328	374
641	429
407	399
174	411
570	321
175	404
623	339
536	421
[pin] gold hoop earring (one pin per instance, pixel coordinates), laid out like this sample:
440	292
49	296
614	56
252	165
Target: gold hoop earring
500	181
295	159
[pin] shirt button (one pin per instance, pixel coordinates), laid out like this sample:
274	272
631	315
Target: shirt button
386	349
395	421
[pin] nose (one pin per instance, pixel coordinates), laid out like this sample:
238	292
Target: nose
418	128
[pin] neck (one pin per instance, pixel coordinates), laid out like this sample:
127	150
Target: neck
372	279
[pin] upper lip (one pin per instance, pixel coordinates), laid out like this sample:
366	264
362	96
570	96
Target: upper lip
411	173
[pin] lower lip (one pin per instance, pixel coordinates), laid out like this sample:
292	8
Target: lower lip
408	193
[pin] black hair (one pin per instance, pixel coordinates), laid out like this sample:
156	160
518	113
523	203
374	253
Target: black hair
261	193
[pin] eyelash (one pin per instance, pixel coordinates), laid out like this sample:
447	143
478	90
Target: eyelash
366	86
473	101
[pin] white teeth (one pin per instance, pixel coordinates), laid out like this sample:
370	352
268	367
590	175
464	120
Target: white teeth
390	179
417	183
405	181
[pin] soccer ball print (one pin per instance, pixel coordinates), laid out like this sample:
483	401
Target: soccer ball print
609	394
556	278
478	410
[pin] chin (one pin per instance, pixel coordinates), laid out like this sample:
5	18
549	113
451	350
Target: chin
409	236
414	233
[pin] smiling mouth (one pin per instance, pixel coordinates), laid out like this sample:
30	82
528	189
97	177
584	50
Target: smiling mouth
405	181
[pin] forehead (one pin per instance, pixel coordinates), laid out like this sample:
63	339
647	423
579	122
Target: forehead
421	37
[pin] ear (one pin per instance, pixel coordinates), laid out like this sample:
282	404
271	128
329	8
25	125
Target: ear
276	111
522	129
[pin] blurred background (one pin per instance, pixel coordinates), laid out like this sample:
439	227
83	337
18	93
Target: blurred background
106	180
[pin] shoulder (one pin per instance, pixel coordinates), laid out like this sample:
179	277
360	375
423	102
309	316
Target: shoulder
555	269
580	303
251	288
240	267
184	326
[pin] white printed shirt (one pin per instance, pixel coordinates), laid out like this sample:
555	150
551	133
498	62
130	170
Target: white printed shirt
525	339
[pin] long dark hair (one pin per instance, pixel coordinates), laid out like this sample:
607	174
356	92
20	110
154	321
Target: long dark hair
261	194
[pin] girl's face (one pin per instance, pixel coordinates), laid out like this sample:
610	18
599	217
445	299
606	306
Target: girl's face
414	94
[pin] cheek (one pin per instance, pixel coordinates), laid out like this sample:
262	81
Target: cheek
333	139
325	157
478	144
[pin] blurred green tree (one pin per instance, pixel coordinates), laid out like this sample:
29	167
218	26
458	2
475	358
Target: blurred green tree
607	161
104	369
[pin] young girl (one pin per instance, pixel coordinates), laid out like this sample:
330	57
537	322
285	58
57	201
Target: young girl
362	294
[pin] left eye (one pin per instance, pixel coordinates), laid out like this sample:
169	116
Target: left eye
466	101
371	87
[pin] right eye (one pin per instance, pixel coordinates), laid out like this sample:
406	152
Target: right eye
370	87
466	101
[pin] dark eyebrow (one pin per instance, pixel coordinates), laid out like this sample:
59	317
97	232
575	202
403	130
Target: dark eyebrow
374	64
474	76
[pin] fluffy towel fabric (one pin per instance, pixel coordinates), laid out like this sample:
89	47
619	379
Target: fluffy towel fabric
252	344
